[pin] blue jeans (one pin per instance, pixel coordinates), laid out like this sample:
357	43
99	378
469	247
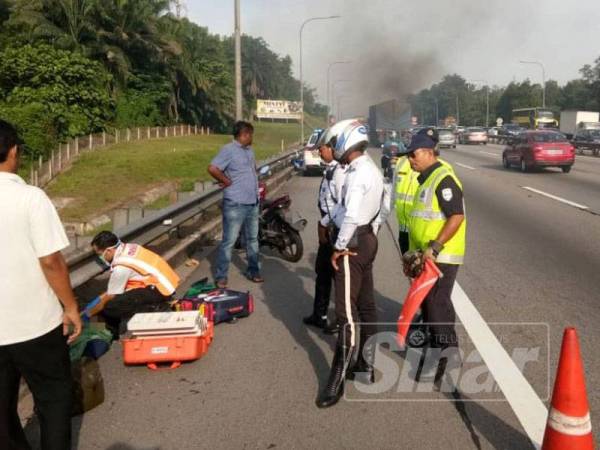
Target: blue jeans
236	216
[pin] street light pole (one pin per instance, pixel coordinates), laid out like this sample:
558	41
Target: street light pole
300	70
437	112
487	101
333	88
329	98
538	63
339	109
238	63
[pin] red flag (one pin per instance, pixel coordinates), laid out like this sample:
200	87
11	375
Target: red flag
419	289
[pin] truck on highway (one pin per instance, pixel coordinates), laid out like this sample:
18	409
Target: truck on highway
572	121
534	118
388	119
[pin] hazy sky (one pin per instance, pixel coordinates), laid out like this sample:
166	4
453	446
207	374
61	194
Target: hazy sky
401	46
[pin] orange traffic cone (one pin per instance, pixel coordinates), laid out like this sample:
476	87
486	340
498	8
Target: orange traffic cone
569	425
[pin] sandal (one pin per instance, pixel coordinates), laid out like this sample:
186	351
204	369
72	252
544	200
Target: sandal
255	278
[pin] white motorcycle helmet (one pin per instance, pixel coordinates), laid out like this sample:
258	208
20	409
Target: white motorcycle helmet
330	135
352	138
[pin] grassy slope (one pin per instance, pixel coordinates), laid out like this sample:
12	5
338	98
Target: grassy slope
105	179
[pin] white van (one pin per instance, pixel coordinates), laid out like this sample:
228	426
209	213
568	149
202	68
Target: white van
312	158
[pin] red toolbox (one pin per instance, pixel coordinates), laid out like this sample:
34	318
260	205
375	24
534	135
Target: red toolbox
167	338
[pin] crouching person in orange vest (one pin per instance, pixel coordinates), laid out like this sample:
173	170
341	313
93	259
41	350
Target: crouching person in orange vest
140	281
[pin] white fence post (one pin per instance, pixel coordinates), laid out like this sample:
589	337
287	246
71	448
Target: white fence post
116	136
138	133
37	178
128	135
59	159
51	163
103	138
40	162
181	134
76	146
68	152
148	132
91	144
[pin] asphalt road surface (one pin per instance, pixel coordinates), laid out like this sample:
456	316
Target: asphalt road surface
531	269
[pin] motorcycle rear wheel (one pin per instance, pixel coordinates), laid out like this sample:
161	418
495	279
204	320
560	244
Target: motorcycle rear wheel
294	248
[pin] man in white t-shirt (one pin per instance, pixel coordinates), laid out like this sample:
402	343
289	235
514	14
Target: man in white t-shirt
37	307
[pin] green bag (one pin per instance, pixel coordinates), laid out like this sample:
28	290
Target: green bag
200	287
90	332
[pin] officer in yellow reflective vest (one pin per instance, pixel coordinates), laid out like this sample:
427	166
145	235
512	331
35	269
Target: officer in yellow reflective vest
405	186
437	225
140	281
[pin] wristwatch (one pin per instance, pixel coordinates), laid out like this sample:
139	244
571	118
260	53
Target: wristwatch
436	246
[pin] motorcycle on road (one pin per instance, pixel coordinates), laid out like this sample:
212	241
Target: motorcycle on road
278	227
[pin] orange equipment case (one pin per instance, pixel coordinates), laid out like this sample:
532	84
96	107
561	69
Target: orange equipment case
172	348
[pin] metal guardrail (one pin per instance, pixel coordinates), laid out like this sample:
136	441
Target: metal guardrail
164	223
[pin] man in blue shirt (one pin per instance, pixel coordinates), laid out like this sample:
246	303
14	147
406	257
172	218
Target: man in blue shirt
235	169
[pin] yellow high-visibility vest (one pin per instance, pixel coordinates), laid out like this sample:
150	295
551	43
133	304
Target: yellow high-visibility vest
427	220
152	267
406	187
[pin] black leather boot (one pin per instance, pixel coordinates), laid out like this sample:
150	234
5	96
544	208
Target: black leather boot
363	370
335	384
315	321
332	328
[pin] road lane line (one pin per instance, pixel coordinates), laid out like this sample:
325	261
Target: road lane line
527	406
558	199
465	166
495	155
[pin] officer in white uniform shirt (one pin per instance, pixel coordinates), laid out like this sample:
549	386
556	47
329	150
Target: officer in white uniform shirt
363	208
330	193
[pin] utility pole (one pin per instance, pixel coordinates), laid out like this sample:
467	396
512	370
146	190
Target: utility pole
238	63
457	112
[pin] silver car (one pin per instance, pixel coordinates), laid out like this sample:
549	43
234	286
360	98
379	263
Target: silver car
447	138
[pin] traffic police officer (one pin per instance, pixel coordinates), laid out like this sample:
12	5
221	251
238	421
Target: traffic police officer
437	227
405	185
330	192
357	218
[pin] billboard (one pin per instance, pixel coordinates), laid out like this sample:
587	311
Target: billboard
278	109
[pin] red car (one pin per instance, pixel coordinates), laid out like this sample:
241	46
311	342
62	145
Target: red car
537	148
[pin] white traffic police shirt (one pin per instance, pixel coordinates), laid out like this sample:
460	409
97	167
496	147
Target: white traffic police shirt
330	192
365	200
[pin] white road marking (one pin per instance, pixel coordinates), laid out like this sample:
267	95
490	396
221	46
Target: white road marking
558	199
527	406
465	166
489	153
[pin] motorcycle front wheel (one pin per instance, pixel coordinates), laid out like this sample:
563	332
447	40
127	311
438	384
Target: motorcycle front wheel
293	249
